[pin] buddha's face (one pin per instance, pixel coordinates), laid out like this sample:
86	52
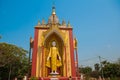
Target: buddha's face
53	43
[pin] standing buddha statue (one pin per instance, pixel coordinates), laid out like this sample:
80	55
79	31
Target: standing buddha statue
53	59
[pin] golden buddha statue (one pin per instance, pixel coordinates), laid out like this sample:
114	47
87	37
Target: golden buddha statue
53	59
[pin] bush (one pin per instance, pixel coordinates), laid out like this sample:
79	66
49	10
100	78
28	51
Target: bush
33	78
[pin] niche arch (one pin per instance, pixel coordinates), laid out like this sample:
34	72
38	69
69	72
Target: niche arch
49	38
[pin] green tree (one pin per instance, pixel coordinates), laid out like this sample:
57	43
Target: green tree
118	61
96	72
105	63
112	70
85	70
97	67
13	61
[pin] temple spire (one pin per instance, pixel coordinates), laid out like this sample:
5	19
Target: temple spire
53	10
63	23
53	7
53	19
39	22
69	24
43	21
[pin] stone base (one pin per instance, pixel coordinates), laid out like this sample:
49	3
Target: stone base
54	78
54	75
59	78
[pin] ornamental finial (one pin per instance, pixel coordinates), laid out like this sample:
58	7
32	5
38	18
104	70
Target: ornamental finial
53	8
69	24
43	21
38	22
63	23
75	43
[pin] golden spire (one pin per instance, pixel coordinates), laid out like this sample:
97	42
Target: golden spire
43	22
49	21
63	23
53	19
38	22
53	10
69	24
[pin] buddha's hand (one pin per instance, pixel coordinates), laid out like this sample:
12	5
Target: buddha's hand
48	58
59	58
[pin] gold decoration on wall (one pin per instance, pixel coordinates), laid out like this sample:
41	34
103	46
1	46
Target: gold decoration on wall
75	43
56	30
47	37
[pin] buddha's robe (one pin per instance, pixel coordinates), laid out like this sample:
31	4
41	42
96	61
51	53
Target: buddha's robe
53	61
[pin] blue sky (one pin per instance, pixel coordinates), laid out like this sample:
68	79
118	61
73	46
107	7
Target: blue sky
96	24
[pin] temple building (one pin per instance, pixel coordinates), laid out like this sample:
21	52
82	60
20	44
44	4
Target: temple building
54	52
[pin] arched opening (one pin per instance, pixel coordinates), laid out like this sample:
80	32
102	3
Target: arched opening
59	44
